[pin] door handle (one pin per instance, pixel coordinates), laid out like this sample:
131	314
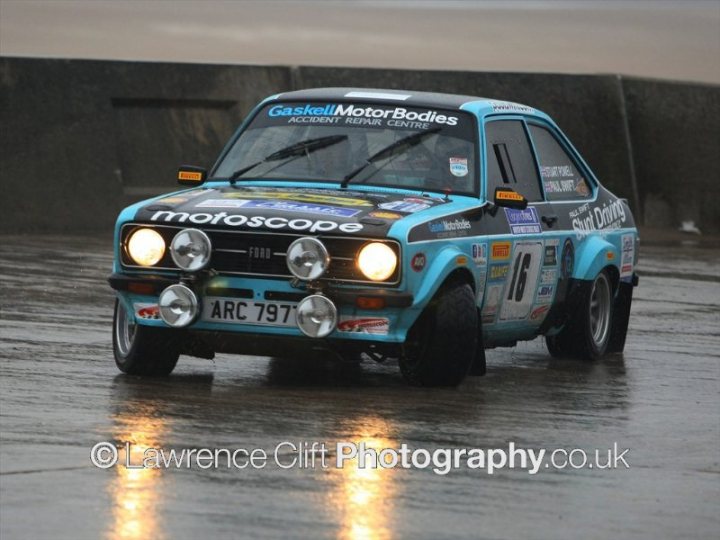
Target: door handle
549	220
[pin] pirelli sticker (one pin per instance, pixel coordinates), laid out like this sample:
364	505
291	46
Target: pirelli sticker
500	251
502	195
190	176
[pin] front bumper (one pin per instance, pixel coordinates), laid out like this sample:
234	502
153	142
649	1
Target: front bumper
143	290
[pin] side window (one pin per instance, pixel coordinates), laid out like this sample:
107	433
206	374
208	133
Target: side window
561	178
510	162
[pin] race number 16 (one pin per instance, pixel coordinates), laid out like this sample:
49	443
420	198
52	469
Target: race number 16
520	291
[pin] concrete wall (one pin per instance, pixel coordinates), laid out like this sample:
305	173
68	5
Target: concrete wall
81	139
675	129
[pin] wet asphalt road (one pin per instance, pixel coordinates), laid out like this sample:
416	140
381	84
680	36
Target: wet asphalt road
60	393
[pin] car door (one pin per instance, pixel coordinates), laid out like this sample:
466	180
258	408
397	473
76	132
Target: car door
517	254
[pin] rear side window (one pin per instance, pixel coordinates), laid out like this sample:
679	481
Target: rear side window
510	162
561	177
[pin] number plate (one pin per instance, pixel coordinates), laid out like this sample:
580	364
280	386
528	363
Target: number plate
232	310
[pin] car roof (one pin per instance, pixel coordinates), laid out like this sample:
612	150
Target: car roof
478	105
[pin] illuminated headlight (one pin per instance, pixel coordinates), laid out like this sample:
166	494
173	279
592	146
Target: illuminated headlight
178	306
377	261
146	247
316	316
190	249
307	258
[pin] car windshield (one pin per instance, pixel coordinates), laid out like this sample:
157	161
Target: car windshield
386	145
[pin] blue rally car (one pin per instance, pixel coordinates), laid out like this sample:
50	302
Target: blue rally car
417	226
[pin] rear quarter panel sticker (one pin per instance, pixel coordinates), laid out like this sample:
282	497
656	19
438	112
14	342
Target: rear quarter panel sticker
628	255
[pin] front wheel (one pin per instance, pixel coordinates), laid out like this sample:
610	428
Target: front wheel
587	332
142	350
440	346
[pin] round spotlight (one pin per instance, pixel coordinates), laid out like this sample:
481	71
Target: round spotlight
178	306
146	247
190	249
316	316
307	258
377	261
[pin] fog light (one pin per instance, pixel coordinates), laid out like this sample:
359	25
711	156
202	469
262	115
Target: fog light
178	306
307	258
190	249
316	316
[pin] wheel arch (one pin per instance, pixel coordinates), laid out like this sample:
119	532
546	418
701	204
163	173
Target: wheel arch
595	255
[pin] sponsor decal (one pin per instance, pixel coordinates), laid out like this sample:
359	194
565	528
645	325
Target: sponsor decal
548	277
498	272
367	325
508	195
458	166
423	200
404	206
418	262
254	222
628	255
523	221
450	228
147	311
539	313
177	199
298	197
509	106
608	215
479	254
480	286
567	261
500	251
190	175
492	300
545	293
285	206
222	203
171	200
384	215
550	258
331	113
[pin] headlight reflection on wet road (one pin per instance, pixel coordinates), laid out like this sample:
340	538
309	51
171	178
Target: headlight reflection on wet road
137	494
363	498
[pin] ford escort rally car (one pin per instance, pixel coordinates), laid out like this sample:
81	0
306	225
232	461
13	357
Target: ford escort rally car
378	223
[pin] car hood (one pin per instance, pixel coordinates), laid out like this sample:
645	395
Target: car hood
287	209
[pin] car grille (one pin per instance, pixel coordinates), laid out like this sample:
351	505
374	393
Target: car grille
263	254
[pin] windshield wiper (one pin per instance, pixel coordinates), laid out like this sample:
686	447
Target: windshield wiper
293	151
395	149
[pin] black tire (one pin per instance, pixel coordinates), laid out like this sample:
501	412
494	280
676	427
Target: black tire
440	346
586	335
620	318
141	350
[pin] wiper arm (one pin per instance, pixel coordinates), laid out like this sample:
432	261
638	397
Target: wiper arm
295	150
395	149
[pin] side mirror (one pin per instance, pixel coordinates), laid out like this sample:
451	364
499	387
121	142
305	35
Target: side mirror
189	175
509	198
